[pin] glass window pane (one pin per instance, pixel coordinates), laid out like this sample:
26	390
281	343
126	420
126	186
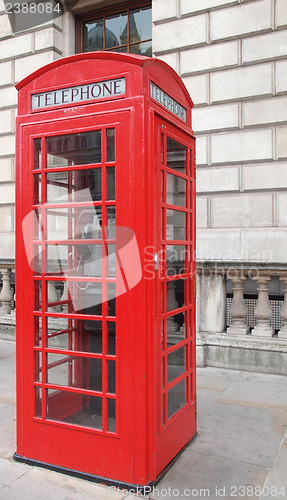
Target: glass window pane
111	376
111	326
74	371
38	366
74	408
175	294
176	155
74	149
75	260
93	35
37	224
37	189
111	415
143	49
140	24
175	326
175	190
111	229
38	402
111	261
176	398
78	186
111	299
74	223
111	183
37	295
85	297
176	364
175	225
110	144
37	153
38	330
116	32
176	257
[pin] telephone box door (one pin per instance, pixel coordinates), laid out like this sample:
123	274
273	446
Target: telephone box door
174	163
75	365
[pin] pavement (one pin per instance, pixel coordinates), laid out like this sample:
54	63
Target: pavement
240	451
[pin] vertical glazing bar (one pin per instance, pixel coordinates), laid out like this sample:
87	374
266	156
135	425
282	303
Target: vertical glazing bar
44	283
105	285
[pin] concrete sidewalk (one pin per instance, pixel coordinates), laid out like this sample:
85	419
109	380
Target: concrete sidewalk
240	451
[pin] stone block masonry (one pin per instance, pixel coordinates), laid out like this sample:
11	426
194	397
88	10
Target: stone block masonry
21	54
232	56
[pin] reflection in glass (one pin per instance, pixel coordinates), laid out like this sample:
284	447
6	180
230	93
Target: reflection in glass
176	398
176	155
142	20
74	149
116	32
175	190
175	225
176	364
74	408
143	49
93	35
176	256
78	186
111	183
175	294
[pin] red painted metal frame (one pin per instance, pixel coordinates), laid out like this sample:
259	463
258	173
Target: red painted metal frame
140	449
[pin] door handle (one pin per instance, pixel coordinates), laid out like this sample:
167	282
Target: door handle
156	261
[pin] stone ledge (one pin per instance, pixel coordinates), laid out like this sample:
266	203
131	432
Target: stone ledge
246	353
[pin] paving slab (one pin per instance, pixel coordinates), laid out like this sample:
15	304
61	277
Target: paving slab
9	472
42	484
197	475
255	388
245	433
217	379
7	430
276	484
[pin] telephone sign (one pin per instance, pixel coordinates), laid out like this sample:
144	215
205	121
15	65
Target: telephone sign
105	259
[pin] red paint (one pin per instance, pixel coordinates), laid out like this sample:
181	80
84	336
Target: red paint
142	377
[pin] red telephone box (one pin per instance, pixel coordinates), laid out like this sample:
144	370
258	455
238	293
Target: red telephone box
105	267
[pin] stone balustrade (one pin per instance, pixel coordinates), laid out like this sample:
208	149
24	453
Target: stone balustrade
211	303
234	329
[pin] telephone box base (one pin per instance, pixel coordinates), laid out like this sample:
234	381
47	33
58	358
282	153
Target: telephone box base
131	488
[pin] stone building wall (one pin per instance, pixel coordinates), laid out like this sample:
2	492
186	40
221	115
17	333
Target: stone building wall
232	56
21	54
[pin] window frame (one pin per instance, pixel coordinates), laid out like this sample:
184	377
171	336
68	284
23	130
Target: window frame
104	12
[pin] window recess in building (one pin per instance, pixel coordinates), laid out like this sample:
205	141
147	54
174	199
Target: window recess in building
123	28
